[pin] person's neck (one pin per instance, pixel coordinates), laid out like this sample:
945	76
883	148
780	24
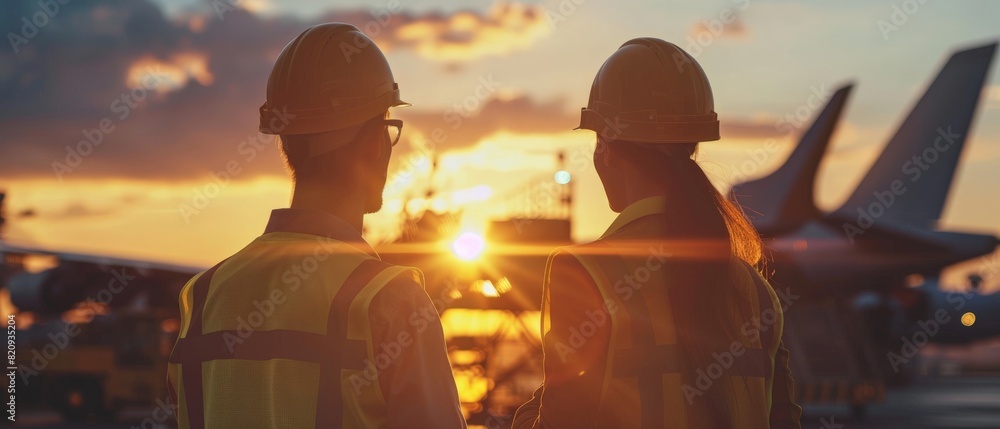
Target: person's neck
640	187
349	207
634	195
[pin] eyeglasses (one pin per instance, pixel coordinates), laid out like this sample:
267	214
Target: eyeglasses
394	128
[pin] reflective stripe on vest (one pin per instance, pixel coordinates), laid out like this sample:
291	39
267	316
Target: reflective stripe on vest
649	361
643	340
342	350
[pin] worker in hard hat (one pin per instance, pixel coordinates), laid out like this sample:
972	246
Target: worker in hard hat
664	321
306	326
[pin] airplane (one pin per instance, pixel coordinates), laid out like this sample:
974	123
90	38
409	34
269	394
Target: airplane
878	255
886	231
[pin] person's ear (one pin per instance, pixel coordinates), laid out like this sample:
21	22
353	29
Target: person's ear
600	151
369	145
607	155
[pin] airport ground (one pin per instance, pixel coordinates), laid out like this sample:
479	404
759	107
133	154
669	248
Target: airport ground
931	402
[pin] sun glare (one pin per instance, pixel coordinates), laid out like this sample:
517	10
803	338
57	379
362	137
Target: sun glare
468	246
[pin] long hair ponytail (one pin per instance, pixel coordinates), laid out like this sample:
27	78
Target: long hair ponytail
701	292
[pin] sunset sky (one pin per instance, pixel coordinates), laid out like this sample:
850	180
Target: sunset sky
177	84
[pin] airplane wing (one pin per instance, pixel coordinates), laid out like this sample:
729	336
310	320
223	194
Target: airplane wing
960	245
80	276
100	260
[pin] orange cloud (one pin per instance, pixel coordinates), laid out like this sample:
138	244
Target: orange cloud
460	36
205	80
170	75
521	114
749	128
728	24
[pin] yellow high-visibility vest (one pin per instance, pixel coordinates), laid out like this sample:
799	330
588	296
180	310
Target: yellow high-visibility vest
278	336
644	384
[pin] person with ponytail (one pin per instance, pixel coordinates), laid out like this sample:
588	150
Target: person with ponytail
665	321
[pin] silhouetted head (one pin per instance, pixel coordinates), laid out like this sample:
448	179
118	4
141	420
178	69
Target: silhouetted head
630	170
328	97
357	165
651	105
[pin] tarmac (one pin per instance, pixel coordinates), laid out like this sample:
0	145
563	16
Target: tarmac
931	402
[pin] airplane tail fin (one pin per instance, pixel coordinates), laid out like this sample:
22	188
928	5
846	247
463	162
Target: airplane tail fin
785	198
910	180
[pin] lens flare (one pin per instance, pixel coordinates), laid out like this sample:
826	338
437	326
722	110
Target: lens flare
468	246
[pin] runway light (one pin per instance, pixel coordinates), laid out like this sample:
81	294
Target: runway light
468	246
969	318
563	177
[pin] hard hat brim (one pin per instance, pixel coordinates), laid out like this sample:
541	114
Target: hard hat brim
310	121
679	129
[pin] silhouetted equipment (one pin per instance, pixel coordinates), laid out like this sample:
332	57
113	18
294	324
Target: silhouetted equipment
429	228
498	272
106	361
514	249
521	230
110	362
967	316
651	91
506	361
77	277
831	361
3	220
51	291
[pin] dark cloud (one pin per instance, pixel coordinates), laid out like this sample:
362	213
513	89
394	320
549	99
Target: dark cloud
75	74
78	73
461	127
460	36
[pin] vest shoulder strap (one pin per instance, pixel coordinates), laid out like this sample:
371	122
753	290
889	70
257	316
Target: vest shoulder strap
335	351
